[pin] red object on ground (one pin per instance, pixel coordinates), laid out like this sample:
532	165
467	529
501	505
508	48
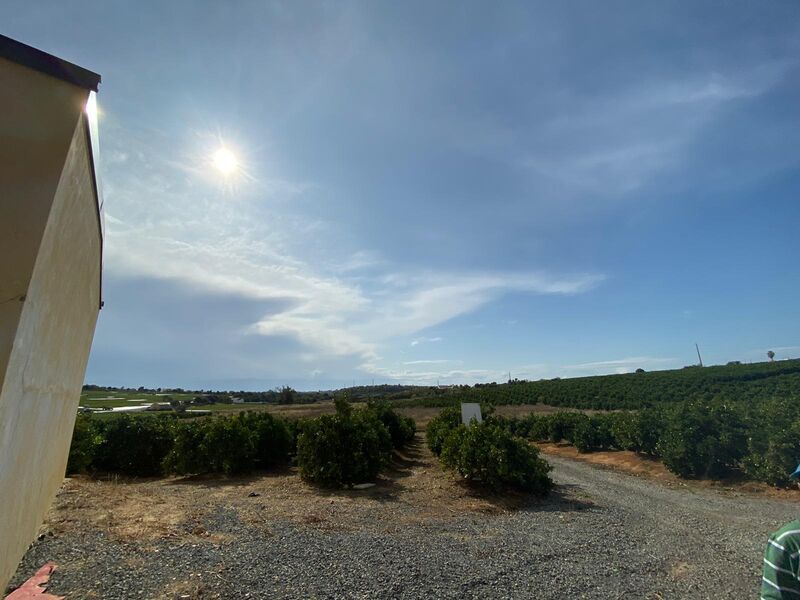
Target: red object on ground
35	587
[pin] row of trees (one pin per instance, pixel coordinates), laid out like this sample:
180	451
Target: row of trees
694	439
734	382
333	450
144	445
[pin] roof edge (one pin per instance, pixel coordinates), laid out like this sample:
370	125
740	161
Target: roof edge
47	63
92	144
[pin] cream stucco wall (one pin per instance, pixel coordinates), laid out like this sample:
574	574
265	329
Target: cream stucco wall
50	250
38	115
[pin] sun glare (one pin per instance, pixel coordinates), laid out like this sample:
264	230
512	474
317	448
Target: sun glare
225	161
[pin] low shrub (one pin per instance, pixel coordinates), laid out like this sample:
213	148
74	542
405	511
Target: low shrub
637	431
773	442
561	425
342	449
625	431
538	428
650	423
401	429
593	433
134	445
86	438
771	459
188	450
440	427
274	439
228	445
232	445
702	439
487	454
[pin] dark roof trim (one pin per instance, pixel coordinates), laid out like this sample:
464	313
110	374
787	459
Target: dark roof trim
47	63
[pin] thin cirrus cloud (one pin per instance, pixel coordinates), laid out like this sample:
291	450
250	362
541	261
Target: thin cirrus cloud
438	361
430	377
425	340
621	365
614	144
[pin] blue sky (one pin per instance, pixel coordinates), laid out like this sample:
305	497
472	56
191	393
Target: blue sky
438	191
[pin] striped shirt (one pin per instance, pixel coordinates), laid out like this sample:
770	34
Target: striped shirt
781	579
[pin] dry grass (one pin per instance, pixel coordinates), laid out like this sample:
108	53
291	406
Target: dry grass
421	415
620	460
413	490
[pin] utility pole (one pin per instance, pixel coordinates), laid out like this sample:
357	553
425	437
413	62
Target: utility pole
698	354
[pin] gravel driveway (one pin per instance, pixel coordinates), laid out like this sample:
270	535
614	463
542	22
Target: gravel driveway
603	534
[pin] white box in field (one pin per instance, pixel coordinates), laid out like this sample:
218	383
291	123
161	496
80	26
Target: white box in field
470	411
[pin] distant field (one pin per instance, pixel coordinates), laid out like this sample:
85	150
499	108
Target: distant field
115	398
111	399
421	415
737	383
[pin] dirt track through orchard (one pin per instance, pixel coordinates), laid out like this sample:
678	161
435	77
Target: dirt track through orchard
709	541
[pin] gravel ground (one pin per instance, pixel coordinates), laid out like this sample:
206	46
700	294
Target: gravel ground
602	534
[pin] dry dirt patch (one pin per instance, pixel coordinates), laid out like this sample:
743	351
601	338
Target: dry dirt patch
421	415
620	460
413	490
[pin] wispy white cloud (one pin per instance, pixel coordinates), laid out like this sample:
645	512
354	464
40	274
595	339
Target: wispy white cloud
439	361
785	349
358	261
431	377
621	365
780	352
612	144
530	372
375	317
425	340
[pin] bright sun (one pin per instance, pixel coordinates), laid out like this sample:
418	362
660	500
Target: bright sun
225	161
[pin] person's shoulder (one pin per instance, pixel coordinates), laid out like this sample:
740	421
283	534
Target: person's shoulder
790	526
789	534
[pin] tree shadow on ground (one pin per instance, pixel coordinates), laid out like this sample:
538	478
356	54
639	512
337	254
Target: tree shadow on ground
388	486
404	461
217	480
561	498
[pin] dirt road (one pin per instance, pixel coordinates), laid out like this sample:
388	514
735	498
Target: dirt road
709	543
